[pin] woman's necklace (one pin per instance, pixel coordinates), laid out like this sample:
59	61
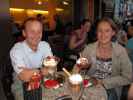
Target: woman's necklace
104	52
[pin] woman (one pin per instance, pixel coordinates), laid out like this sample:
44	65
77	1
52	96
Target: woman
76	43
110	64
78	38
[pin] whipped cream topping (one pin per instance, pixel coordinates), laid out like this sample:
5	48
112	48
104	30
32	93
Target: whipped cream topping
75	79
82	60
50	63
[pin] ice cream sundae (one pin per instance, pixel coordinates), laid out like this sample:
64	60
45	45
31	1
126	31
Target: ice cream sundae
75	81
50	63
82	62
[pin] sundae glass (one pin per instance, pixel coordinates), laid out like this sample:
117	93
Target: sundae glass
50	64
82	62
84	65
75	81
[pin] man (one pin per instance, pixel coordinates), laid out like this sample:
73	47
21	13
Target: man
27	57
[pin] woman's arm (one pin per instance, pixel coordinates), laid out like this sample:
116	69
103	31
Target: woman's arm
124	75
74	44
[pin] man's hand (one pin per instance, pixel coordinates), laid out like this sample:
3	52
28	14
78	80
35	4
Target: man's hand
27	73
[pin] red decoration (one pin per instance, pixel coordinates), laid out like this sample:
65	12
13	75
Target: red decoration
34	82
51	83
85	82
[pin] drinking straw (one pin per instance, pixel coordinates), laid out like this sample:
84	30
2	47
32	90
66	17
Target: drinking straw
66	72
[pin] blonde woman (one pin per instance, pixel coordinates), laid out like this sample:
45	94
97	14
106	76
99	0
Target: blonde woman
110	64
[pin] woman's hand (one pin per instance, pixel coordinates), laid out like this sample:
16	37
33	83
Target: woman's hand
83	63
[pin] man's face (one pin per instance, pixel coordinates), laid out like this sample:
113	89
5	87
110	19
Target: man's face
104	32
33	32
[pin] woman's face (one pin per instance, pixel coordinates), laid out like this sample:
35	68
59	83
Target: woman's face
78	31
104	33
87	27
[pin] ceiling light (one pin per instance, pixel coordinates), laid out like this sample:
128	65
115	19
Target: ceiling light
41	11
59	9
65	3
30	11
16	9
39	2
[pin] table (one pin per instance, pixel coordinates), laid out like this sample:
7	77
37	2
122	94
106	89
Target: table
89	93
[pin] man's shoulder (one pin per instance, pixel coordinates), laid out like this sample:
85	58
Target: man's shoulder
44	44
17	47
45	48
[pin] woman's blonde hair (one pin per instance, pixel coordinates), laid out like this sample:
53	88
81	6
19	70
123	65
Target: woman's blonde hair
110	21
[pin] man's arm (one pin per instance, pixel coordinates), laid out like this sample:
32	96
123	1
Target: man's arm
19	66
26	74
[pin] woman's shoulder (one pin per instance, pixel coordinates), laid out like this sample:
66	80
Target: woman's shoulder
89	50
90	47
119	49
117	45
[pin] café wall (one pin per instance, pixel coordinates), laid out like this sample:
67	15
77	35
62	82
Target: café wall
6	42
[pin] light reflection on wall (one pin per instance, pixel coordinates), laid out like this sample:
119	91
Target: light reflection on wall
21	14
